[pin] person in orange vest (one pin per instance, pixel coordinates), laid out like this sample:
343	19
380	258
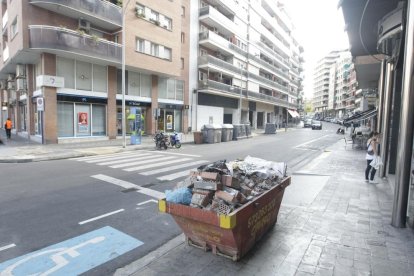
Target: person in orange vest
8	126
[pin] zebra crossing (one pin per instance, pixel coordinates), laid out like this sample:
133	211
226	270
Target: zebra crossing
166	166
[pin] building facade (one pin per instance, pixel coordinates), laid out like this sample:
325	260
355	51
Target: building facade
249	65
60	70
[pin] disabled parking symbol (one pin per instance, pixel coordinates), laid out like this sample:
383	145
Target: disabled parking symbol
73	256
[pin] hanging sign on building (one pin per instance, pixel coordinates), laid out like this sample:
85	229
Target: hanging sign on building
51	81
40	104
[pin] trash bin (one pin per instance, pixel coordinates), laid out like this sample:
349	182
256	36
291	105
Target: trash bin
212	134
198	137
226	132
239	131
231	235
270	128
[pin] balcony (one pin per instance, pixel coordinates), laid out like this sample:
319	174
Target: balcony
271	67
58	40
214	41
6	53
274	40
100	13
213	18
270	83
5	19
271	53
207	60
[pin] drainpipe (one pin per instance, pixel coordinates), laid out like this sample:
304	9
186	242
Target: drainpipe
388	84
405	139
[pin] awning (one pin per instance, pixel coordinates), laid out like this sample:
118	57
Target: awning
293	113
361	116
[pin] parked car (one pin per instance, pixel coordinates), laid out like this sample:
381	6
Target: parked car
307	123
334	120
327	119
316	125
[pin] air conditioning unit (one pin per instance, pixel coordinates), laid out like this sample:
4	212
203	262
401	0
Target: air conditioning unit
11	85
21	85
389	31
10	77
20	71
84	25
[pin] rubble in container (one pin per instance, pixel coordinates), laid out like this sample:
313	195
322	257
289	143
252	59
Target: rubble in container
225	186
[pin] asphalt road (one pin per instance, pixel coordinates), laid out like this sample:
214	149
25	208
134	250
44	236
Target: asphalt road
46	203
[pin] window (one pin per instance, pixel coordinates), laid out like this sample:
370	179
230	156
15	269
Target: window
141	45
66	68
83	76
182	37
182	63
167	23
65	119
182	11
167	53
99	78
179	87
154	49
133	83
154	16
98	120
140	10
13	28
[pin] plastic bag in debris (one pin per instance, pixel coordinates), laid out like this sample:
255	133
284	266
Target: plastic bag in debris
180	195
262	168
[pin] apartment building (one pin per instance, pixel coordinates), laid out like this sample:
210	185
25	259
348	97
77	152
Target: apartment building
60	70
335	85
249	64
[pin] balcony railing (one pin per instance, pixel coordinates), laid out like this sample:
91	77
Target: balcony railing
271	67
221	41
99	9
61	39
204	60
219	18
269	82
274	54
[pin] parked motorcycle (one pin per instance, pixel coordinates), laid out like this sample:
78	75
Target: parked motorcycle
161	140
175	140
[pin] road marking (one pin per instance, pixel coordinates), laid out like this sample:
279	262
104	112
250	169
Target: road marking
156	164
125	156
86	158
129	185
175	175
73	256
148	201
7	247
174	167
182	154
143	161
308	142
315	162
101	216
129	159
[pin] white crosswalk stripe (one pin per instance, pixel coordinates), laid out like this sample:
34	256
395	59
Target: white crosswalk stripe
128	159
174	167
165	166
156	164
175	175
144	160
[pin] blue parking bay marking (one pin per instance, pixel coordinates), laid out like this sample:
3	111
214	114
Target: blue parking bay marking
73	256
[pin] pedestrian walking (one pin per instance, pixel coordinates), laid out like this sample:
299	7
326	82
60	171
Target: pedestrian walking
372	152
8	126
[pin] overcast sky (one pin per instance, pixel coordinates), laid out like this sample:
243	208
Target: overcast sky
319	28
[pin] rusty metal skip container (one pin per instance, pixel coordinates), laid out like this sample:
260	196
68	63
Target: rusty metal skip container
231	235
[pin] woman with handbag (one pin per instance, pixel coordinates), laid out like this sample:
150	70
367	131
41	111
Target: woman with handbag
372	147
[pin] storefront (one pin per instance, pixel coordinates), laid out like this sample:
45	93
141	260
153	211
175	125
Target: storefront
128	105
170	118
80	116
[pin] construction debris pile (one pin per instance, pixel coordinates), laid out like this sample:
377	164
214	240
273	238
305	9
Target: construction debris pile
224	187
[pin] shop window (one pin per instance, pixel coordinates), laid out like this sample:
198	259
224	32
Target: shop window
100	78
98	120
65	119
83	76
179	86
66	68
162	88
83	120
171	89
146	85
133	83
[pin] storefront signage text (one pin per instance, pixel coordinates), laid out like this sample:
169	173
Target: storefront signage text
51	81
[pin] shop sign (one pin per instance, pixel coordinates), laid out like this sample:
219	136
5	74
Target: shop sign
51	81
40	103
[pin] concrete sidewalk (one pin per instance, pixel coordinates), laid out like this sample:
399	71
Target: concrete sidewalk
344	230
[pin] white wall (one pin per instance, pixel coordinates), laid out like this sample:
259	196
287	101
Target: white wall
204	113
193	66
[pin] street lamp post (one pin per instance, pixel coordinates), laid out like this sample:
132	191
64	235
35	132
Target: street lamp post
124	7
